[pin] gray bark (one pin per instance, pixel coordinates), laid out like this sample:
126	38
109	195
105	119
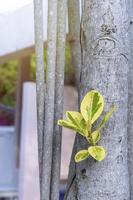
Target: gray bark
130	100
38	18
105	68
59	93
82	5
74	36
49	98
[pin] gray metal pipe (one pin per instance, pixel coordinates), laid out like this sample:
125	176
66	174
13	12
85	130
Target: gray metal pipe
59	92
49	100
38	18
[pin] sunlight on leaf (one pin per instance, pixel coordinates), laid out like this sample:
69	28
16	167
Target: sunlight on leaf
97	152
74	124
81	155
78	121
96	136
92	106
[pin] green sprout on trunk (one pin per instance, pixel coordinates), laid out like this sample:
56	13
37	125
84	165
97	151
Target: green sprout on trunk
91	109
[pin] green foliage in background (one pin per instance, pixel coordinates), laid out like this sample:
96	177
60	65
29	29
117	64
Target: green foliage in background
82	122
69	70
8	76
8	73
33	65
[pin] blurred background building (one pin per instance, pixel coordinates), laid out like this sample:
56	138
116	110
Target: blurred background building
18	135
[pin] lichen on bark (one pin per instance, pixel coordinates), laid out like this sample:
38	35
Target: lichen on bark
105	68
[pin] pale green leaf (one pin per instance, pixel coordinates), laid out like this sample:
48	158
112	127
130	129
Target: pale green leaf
92	106
96	136
106	117
97	152
77	120
74	117
68	124
81	155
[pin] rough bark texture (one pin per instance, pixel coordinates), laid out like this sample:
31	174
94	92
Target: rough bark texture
74	36
38	18
130	100
105	68
59	93
49	98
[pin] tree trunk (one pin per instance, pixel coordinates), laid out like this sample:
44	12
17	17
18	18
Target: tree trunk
105	68
130	101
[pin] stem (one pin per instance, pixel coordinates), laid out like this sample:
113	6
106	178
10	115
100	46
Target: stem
89	137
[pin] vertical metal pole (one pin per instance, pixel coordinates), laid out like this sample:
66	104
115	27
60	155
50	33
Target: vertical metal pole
38	18
82	6
74	35
59	91
49	100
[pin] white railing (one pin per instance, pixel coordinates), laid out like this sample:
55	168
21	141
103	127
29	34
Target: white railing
8	170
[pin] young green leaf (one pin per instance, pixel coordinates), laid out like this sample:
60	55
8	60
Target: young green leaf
68	124
73	115
96	136
92	106
106	117
77	120
81	155
97	152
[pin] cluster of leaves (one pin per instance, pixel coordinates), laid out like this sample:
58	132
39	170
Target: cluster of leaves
90	110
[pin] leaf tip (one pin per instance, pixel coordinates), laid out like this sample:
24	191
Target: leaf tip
59	122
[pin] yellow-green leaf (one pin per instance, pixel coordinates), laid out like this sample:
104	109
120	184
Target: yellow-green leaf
68	124
92	106
97	152
77	119
96	136
81	155
106	117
